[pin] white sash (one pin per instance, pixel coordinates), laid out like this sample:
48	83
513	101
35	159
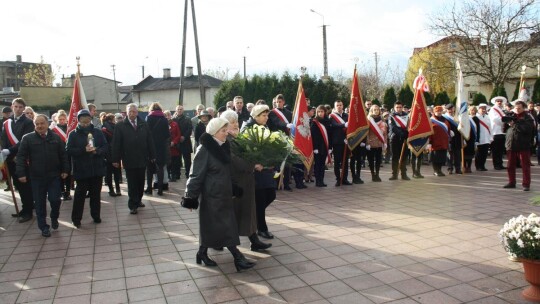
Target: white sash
440	123
13	140
280	115
60	133
375	127
337	118
401	120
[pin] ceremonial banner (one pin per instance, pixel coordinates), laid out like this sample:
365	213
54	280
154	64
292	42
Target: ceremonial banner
462	107
419	126
301	131
358	125
78	102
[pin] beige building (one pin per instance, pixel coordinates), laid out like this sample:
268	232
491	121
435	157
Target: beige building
102	92
166	90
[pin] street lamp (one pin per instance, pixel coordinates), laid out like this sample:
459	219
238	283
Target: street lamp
325	73
247	48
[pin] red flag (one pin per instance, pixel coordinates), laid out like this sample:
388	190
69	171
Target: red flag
78	102
419	124
358	125
301	131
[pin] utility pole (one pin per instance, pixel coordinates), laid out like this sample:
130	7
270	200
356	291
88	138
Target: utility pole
116	86
325	53
182	66
376	75
244	67
142	67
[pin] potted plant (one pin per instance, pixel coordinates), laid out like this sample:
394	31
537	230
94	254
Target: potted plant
520	237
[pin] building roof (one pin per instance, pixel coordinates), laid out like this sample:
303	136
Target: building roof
173	83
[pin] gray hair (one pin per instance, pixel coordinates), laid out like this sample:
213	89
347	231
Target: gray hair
131	106
41	115
230	115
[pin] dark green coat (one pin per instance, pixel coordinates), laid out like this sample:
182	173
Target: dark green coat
210	181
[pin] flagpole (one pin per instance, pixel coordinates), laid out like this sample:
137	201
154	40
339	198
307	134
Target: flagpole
408	122
342	174
10	185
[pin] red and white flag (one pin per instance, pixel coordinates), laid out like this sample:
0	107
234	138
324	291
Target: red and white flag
419	128
358	125
301	131
78	102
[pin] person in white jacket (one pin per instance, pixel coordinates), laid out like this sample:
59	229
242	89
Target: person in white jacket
496	114
484	137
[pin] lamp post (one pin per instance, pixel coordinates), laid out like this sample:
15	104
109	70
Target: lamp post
116	87
325	58
247	48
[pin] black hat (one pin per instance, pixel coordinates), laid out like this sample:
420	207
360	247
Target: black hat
6	110
449	106
221	109
83	112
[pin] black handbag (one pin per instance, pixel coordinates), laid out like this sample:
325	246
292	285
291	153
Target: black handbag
189	203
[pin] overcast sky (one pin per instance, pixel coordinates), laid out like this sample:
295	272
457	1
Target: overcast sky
274	35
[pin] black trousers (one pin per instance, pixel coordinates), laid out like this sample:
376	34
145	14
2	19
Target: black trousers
92	186
186	156
454	160
25	191
357	159
416	163
174	167
319	163
112	173
263	198
396	146
150	176
481	156
498	150
135	181
338	162
374	156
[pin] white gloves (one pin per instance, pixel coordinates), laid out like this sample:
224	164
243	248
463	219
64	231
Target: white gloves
362	144
368	147
385	146
345	141
329	151
315	151
289	125
5	152
428	147
452	133
347	124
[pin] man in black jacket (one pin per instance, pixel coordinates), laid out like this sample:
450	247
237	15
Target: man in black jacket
87	147
398	134
13	130
518	144
339	121
42	157
133	145
243	114
184	146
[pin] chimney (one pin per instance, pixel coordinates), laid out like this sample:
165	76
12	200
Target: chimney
189	71
19	58
166	73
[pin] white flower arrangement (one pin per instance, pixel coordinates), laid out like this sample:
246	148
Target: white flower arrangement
520	237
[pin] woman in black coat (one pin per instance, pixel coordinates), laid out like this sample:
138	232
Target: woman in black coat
320	127
211	180
159	130
113	174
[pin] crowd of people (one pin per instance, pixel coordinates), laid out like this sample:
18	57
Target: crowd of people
47	163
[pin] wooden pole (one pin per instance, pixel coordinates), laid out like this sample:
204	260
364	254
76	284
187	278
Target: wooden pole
10	185
342	173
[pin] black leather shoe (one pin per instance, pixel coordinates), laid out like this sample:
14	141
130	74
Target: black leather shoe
25	218
346	183
287	188
357	181
509	186
266	234
141	205
148	191
337	184
112	193
483	169
46	232
97	221
16	214
160	192
393	177
320	185
54	224
133	211
77	225
405	177
301	186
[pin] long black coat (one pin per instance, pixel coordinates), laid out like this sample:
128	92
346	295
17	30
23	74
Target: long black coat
86	165
186	128
210	181
159	129
133	147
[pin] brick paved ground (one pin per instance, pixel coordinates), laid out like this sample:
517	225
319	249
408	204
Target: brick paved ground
428	241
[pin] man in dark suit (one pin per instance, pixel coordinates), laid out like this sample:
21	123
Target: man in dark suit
339	121
185	147
133	145
13	130
280	119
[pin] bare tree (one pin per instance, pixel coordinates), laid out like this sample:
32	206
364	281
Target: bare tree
493	37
